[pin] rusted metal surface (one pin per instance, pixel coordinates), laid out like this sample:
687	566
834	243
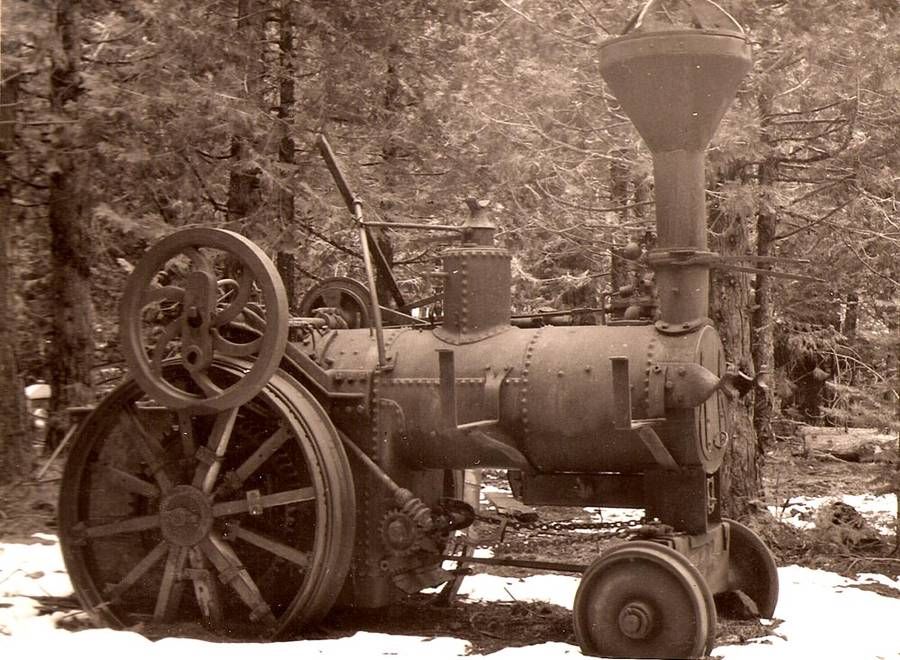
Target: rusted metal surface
195	319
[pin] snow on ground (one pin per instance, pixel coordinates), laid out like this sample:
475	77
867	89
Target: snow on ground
823	616
879	510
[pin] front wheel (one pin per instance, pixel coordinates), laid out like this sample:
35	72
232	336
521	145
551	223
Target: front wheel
751	568
644	600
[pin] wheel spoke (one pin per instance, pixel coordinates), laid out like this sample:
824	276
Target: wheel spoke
233	573
186	432
277	548
273	443
150	449
205	382
124	526
171	587
249	505
128	481
244	289
114	592
169	333
222	345
210	457
206	590
226	293
161	293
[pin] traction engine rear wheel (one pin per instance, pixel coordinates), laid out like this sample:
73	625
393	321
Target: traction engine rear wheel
243	520
644	600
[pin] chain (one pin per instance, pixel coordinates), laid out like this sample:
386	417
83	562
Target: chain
642	527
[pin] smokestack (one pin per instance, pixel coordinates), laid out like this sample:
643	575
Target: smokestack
675	84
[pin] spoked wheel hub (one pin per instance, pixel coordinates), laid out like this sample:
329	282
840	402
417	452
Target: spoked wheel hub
185	516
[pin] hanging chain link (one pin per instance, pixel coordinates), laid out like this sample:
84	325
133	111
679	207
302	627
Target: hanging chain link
641	527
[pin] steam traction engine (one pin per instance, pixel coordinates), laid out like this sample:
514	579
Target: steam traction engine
253	483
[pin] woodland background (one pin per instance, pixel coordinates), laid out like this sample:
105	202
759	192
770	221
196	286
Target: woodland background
122	122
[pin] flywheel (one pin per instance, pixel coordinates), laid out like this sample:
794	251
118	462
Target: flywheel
197	295
349	297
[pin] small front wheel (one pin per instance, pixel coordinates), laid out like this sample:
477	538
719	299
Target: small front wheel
644	600
751	568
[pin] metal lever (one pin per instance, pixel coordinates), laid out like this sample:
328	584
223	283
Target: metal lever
355	205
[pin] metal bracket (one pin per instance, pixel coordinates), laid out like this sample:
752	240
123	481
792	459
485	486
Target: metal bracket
681	257
254	503
622	421
493	381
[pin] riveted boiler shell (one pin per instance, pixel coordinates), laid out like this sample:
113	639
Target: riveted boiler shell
566	405
556	401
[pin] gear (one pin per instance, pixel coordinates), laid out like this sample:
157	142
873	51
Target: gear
399	533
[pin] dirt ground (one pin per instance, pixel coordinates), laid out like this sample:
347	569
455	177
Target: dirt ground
30	507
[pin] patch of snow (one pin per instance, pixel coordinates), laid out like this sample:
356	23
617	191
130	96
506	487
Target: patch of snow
613	514
822	615
545	651
878	510
36	569
554	589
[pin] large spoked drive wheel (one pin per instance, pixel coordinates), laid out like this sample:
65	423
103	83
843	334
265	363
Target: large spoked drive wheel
197	295
243	520
644	600
751	568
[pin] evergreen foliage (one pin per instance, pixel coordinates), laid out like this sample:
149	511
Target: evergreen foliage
430	103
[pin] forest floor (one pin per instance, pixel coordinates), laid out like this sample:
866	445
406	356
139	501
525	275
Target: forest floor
806	529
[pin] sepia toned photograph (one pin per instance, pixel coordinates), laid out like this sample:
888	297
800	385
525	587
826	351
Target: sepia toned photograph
508	329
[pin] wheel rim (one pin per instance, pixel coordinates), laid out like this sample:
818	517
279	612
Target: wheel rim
345	294
255	548
644	600
751	568
179	303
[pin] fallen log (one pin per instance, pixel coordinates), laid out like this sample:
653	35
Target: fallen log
856	445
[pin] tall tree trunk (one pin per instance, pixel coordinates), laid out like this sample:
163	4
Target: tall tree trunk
730	302
379	241
762	336
244	191
618	196
285	259
15	436
72	249
851	316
